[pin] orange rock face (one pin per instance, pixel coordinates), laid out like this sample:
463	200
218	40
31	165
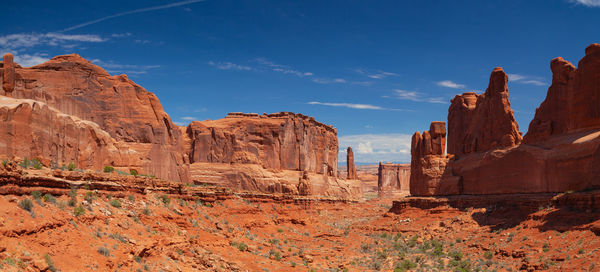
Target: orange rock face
560	152
483	122
122	109
350	167
393	179
68	110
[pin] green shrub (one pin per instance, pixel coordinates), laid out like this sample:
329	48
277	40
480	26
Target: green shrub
50	263
72	202
89	197
4	163
133	172
49	198
276	255
71	166
242	247
36	164
165	199
109	169
104	251
115	203
77	211
405	265
546	247
36	194
488	255
24	163
26	204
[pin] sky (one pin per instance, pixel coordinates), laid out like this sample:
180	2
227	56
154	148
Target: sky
376	70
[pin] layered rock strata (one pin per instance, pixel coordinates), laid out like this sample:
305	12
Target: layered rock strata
393	179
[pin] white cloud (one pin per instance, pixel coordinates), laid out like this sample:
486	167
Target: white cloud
379	74
348	105
189	118
285	69
117	68
417	96
229	66
538	81
373	148
171	5
588	3
450	84
322	80
27	60
25	40
180	123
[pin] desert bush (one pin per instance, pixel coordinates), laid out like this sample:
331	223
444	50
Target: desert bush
104	251
133	172
50	263
115	203
165	199
78	211
36	195
108	169
71	166
49	198
25	163
26	204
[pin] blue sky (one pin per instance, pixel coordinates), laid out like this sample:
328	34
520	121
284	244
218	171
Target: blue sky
376	70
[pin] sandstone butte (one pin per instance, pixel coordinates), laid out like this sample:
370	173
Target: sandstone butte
68	110
393	180
486	153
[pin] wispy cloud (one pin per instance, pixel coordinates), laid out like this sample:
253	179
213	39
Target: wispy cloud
176	4
353	106
25	40
373	148
416	96
229	66
323	80
27	60
189	118
285	69
588	3
450	84
378	74
117	68
538	81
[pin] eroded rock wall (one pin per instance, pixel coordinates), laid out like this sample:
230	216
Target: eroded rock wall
560	152
393	179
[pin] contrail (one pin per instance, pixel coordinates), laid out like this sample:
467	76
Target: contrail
131	12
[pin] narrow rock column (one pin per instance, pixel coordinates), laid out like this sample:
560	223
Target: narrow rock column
351	168
8	80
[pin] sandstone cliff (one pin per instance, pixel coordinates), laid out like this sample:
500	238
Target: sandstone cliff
393	179
560	152
68	110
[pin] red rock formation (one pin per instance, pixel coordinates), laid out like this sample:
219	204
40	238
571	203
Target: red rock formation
70	110
350	167
8	75
393	179
572	100
560	153
428	173
276	141
483	122
121	108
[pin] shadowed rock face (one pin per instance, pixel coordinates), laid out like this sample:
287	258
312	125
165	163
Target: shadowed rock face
572	100
483	122
70	110
561	151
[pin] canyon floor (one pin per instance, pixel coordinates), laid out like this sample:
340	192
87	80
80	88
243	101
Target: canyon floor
95	230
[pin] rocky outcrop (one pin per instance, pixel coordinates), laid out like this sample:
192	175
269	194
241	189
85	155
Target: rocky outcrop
268	153
350	167
428	173
481	122
125	111
393	179
276	141
560	153
572	101
68	110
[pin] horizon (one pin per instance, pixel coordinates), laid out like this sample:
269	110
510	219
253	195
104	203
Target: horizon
377	72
